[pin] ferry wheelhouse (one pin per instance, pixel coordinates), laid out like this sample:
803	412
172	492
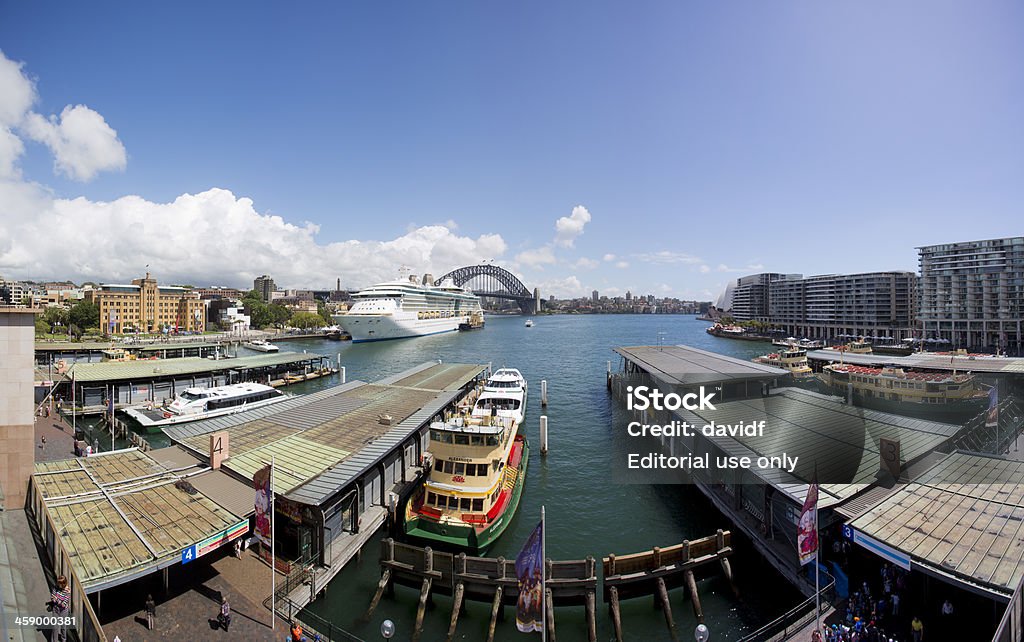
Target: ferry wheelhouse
204	403
503	395
792	359
408	308
945	397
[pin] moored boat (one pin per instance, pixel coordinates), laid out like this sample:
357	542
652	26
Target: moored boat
793	359
261	345
204	403
942	396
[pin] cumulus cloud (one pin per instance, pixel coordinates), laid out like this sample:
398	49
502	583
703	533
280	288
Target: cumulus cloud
666	257
17	92
567	288
536	258
82	142
583	263
567	228
609	257
622	265
11	149
749	269
704	269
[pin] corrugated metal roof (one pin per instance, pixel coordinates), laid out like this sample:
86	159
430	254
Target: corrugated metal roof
875	494
157	368
174	457
229	493
927	361
683	365
963	518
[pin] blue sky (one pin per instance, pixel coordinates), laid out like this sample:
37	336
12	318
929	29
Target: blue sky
704	140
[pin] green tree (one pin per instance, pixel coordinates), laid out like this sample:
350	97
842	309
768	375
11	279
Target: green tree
85	314
279	314
42	327
324	312
258	312
54	316
306	320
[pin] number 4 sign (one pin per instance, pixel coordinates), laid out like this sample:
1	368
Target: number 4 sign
188	554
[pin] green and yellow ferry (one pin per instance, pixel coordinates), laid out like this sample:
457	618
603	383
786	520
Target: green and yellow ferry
476	477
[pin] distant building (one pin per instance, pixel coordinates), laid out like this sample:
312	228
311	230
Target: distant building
144	306
629	296
594	297
12	292
264	286
844	305
972	293
217	292
750	297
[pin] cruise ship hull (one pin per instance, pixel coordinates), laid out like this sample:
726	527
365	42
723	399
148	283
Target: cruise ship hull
383	327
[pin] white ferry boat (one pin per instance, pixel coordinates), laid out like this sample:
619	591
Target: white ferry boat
408	308
503	395
204	403
793	359
261	346
529	323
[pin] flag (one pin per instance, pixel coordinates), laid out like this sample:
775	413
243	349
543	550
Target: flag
992	416
264	495
807	529
529	569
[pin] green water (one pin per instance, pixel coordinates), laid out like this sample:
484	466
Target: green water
587	514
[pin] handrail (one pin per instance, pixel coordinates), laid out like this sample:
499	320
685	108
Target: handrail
790	616
1011	625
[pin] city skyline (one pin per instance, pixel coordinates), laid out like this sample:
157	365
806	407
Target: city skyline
671	161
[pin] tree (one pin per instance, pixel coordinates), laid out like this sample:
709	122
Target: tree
279	314
54	316
324	312
306	320
85	314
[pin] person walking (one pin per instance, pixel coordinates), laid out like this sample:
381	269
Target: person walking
224	618
150	612
296	632
917	629
60	602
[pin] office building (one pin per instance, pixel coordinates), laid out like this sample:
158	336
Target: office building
144	306
972	293
264	285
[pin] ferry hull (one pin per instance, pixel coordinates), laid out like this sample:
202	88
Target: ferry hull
368	327
466	537
950	413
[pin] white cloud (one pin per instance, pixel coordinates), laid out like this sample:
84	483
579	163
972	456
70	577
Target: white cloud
748	269
609	257
537	258
622	265
664	288
569	227
11	149
82	142
451	224
704	269
17	92
583	263
666	257
567	288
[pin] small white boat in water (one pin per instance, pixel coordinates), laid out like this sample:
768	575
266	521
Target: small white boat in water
261	346
203	403
529	323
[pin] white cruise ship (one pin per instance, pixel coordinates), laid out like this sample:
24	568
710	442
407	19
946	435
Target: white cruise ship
407	308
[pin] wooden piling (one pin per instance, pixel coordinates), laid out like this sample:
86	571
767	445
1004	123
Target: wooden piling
385	579
543	434
691	584
666	607
591	617
495	607
613	606
550	608
422	608
456	607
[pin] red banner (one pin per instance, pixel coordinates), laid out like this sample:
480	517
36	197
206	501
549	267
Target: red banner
807	529
264	500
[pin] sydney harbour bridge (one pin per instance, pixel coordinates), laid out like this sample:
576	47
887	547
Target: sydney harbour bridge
489	280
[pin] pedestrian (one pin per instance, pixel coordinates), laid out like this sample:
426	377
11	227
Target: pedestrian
895	604
60	603
917	629
150	612
296	631
224	618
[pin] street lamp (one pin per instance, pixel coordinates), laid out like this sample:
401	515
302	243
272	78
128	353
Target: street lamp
387	629
701	633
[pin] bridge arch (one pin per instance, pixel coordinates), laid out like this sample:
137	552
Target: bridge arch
488	280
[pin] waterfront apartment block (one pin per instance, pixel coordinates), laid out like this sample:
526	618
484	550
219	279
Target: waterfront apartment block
972	293
750	297
264	285
878	304
145	306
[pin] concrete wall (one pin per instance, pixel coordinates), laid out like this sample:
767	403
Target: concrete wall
17	432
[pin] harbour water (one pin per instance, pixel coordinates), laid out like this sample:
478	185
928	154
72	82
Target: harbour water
587	514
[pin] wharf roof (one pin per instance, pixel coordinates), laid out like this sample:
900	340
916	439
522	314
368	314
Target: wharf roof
322	441
156	368
683	365
896	373
961	519
928	361
120	516
838	441
95	346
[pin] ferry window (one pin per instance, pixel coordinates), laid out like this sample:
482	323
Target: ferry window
478	504
460	469
466	503
481	470
431	499
461	440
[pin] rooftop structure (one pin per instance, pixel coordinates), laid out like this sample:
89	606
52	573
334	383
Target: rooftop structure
683	365
927	361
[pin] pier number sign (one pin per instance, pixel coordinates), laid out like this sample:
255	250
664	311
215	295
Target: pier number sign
188	554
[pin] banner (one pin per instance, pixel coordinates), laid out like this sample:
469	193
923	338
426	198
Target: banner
807	529
529	569
264	496
992	415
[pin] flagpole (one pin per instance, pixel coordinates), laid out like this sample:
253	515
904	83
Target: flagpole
74	402
543	576
273	559
110	403
817	567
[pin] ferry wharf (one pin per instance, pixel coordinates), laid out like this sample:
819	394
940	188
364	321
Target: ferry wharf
136	382
950	518
930	361
50	353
